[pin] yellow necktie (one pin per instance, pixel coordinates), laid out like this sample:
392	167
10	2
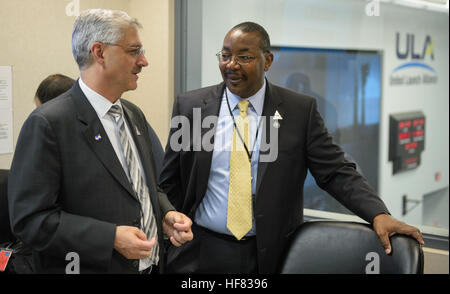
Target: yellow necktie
239	214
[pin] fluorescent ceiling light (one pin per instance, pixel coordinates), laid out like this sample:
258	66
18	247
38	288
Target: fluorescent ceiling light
434	5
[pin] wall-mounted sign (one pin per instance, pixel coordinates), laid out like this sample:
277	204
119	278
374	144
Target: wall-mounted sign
406	140
6	122
417	58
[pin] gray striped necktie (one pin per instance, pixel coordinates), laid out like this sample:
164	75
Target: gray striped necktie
148	220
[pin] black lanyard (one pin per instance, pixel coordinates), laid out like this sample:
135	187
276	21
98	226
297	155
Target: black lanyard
249	154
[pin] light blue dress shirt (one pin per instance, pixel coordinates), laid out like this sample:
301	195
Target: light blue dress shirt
212	211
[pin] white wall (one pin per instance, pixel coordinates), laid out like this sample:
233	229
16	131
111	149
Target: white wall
344	24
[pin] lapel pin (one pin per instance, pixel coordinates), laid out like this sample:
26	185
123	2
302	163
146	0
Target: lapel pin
277	117
137	131
98	138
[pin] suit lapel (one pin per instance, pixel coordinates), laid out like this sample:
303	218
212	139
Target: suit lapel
271	104
210	107
97	138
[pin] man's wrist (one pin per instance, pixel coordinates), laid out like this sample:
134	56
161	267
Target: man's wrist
380	214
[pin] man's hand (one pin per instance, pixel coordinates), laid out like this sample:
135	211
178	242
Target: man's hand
132	242
178	227
386	226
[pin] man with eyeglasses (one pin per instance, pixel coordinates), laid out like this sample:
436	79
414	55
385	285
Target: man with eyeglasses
82	187
245	205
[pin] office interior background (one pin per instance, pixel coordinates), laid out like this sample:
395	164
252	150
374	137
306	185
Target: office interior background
367	62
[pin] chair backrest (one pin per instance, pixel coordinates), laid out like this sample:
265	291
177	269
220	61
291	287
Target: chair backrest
5	228
332	247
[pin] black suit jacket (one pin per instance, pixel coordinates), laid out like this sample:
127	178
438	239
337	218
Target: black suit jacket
157	150
67	189
303	143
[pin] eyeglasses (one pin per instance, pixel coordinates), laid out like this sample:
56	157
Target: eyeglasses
135	51
240	59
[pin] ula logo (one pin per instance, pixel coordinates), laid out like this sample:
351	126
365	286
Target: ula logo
408	50
415	53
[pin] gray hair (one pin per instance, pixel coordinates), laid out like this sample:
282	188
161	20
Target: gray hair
98	25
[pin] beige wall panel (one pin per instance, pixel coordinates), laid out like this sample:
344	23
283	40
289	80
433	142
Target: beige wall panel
36	41
155	85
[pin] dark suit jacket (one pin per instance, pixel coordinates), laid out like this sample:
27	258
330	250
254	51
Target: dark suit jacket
157	150
67	189
303	143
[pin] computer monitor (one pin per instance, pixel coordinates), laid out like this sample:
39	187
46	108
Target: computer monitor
347	86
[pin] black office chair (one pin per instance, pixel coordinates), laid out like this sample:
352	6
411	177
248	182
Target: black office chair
332	247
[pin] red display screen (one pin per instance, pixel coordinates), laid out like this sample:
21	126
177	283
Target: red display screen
410	145
404	124
405	135
411	160
406	140
419	122
418	133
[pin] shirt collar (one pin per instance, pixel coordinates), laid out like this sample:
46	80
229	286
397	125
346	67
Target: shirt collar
256	101
100	104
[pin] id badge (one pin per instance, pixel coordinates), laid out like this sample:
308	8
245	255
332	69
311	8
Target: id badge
5	255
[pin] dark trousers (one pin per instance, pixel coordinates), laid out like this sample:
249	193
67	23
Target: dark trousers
213	253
